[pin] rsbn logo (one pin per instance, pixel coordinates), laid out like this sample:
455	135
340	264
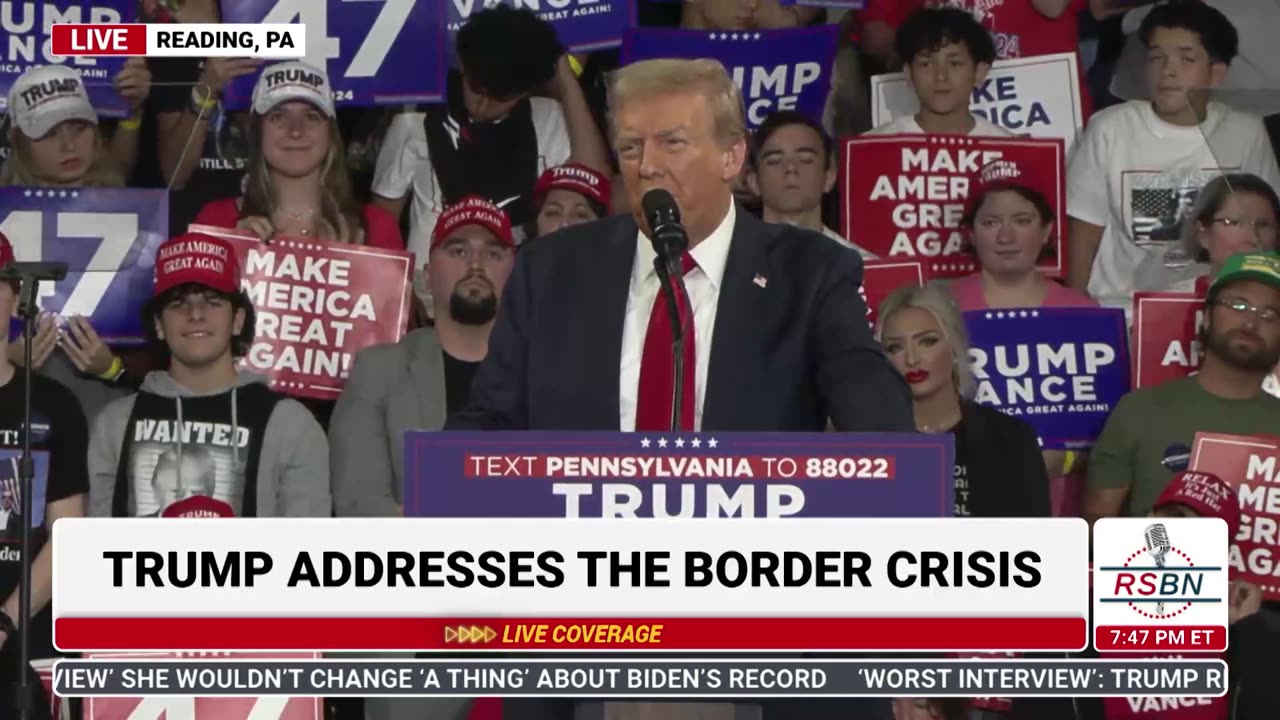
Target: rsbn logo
1159	581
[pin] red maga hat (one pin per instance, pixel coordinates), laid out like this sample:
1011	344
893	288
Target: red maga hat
200	259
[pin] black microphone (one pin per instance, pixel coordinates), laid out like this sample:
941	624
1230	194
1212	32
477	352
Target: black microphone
34	271
665	231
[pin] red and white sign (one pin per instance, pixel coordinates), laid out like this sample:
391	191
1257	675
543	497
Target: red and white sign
317	305
881	277
268	707
904	195
1165	326
275	41
1251	465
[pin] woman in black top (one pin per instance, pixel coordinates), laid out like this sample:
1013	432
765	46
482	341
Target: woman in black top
998	469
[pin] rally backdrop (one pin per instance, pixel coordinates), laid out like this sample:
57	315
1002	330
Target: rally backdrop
1033	96
1249	464
376	53
317	305
903	196
775	69
602	474
107	237
26	26
1059	369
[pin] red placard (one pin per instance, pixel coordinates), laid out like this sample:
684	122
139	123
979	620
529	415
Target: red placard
317	304
44	670
1164	336
205	708
1251	465
904	195
881	277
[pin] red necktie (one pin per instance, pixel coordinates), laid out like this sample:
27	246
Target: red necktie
487	708
653	404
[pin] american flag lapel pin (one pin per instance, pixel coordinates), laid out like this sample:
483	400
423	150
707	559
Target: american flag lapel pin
760	280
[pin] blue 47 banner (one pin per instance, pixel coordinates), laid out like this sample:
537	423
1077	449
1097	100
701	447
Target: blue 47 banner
703	475
775	69
385	52
581	25
108	239
25	27
1061	370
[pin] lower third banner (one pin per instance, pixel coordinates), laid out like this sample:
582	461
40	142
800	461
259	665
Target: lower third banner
1059	369
1249	464
705	475
317	304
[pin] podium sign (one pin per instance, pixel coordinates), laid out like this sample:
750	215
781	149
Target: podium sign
708	474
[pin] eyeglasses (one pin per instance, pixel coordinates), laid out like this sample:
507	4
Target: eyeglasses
1265	314
1262	227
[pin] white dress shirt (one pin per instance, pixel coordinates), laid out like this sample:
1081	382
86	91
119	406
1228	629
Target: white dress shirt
703	285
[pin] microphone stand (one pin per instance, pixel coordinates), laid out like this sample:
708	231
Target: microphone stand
670	274
28	311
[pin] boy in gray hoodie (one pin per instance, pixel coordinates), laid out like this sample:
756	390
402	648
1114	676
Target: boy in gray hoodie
203	439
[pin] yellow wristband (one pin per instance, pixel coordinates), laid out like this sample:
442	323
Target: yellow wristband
575	65
1069	462
113	372
129	124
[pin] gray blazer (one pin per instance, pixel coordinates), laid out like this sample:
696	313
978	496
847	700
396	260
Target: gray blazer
391	389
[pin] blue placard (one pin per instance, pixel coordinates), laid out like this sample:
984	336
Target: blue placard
776	69
581	25
25	27
611	474
11	488
1059	369
384	52
107	238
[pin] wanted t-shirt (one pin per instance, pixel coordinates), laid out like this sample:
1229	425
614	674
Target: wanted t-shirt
1138	176
59	441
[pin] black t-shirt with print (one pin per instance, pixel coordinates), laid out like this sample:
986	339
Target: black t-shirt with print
60	442
961	472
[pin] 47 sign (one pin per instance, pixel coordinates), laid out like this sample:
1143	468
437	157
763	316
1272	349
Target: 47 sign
376	53
107	238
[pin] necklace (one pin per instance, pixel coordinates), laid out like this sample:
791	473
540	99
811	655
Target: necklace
939	427
303	218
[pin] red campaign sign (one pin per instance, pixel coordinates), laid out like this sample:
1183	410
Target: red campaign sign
881	277
903	196
1164	336
268	707
1251	464
317	304
44	670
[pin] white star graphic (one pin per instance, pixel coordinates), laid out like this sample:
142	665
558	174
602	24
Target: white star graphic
695	442
988	316
711	443
1035	313
62	193
679	442
75	193
1022	314
26	193
756	36
662	442
734	36
1000	315
39	193
644	442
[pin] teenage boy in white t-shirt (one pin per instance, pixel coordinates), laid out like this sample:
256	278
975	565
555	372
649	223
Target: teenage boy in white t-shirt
947	54
1136	170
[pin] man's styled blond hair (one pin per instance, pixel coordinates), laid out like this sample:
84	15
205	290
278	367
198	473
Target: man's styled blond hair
647	79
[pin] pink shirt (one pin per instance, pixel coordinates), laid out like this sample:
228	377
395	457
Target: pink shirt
967	292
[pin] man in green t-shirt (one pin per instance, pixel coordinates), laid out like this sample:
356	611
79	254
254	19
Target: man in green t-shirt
1147	438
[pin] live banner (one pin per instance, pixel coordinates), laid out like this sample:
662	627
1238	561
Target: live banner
1166	344
1037	96
775	69
266	707
376	53
581	25
107	237
25	26
903	196
691	475
881	277
1061	370
317	305
1249	463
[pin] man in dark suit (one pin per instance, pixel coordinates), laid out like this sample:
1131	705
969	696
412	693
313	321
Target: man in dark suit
780	339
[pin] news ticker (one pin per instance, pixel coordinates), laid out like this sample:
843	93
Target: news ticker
684	678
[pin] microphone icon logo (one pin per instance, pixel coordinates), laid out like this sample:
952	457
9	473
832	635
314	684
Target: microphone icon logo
1157	537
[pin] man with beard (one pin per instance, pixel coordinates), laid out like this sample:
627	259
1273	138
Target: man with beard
1148	437
416	382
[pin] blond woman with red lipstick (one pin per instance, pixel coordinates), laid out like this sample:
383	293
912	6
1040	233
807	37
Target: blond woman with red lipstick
998	468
